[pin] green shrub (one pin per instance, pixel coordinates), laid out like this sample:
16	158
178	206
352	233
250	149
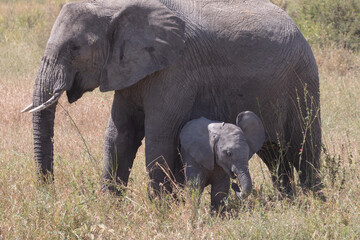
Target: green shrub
325	22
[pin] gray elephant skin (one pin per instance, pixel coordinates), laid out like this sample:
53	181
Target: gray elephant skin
214	151
170	61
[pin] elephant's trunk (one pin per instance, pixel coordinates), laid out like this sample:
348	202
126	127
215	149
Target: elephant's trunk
43	120
244	178
43	125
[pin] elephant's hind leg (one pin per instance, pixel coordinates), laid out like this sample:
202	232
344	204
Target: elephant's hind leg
123	138
281	170
306	154
304	128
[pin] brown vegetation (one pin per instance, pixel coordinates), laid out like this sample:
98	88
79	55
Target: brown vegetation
74	207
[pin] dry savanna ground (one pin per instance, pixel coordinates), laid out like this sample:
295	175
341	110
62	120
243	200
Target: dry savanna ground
74	208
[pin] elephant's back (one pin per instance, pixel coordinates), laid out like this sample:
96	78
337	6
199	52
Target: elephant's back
244	33
236	19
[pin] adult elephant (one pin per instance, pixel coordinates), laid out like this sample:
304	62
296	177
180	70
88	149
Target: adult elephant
170	61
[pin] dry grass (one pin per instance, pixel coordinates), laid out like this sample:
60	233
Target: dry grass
74	207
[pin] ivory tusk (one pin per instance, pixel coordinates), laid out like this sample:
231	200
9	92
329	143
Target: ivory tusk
28	108
48	103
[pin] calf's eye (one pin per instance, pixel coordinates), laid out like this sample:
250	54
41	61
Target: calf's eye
228	153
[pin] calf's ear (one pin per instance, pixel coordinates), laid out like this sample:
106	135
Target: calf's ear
198	142
253	130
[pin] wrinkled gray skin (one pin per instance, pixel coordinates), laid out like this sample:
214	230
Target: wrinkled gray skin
214	151
171	61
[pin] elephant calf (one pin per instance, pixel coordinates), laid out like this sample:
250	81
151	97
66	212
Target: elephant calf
214	151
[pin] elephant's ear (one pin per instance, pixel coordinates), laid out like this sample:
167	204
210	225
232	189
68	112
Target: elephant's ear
144	37
253	130
198	142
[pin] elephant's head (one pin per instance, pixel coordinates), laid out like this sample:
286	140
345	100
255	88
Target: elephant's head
227	145
107	44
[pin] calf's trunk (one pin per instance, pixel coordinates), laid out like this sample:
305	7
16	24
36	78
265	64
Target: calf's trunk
244	178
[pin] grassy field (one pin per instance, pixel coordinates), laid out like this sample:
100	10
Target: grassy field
75	208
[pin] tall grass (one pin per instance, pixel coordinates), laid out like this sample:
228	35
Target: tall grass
326	23
74	208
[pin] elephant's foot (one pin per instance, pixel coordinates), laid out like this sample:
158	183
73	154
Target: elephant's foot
160	183
115	188
314	189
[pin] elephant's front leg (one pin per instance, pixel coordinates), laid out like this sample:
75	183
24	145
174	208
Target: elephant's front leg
165	113
195	180
123	137
219	192
161	149
195	176
161	154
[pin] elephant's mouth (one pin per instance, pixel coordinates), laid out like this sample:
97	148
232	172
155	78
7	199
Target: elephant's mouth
233	175
77	90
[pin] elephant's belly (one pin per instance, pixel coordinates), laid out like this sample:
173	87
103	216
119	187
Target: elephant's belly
224	101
